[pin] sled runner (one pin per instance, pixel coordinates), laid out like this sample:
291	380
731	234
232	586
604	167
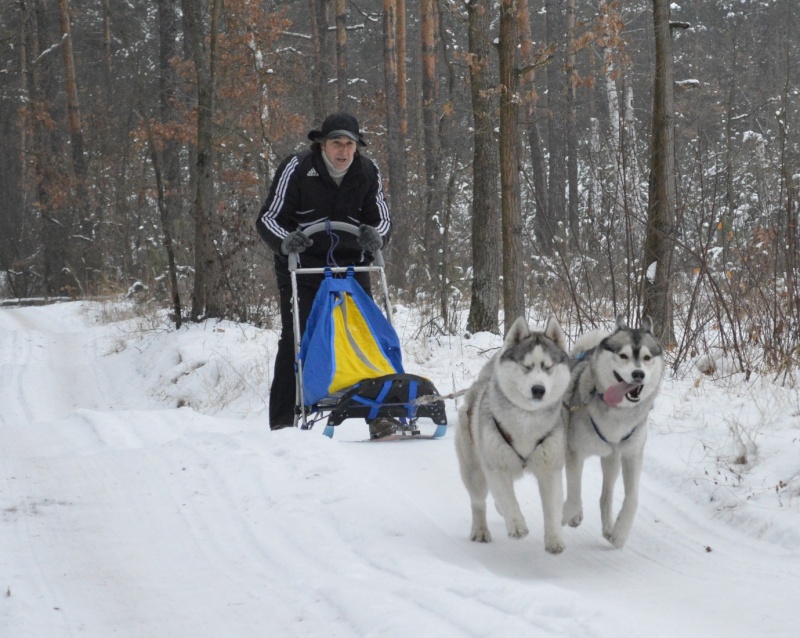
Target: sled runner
348	363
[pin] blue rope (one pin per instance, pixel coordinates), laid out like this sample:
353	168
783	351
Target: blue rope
412	395
376	403
333	243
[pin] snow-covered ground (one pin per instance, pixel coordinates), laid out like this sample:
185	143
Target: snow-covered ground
142	495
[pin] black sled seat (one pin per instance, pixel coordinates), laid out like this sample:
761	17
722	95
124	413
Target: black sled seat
405	397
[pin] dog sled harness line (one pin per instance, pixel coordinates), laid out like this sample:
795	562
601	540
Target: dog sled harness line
605	440
510	441
347	339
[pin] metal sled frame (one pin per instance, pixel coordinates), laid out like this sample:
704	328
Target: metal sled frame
392	395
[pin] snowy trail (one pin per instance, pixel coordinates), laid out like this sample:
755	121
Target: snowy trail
121	517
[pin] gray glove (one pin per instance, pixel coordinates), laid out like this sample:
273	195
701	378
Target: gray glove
369	238
296	242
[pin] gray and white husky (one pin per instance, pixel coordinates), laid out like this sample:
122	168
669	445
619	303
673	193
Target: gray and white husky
511	422
615	380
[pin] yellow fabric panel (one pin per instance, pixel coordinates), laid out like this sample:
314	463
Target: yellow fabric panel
350	368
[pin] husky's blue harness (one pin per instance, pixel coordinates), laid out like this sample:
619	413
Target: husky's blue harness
605	440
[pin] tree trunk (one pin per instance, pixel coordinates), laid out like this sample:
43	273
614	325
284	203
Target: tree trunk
486	218
320	68
557	110
432	147
168	179
80	204
53	221
726	223
73	105
528	94
165	225
513	290
107	73
399	247
206	289
402	70
658	249
341	54
572	128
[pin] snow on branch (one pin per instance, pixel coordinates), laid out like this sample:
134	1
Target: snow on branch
49	50
683	85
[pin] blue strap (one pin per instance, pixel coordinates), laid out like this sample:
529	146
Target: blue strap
333	243
605	440
412	395
375	403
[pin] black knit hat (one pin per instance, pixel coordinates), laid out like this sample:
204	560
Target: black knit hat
338	125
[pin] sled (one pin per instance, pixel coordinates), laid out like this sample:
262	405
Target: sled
348	363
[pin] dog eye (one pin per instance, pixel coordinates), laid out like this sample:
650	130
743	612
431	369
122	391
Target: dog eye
624	357
647	357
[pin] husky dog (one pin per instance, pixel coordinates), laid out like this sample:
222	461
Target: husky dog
615	379
511	422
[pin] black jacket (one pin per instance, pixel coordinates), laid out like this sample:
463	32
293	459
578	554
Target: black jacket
303	193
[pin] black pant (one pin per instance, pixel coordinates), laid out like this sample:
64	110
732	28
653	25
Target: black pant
282	393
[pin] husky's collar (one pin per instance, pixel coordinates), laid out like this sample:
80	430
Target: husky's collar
580	407
510	441
604	439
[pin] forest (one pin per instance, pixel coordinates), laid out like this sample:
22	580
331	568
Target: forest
586	159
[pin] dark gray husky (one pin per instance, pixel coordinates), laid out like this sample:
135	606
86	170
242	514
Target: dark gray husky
615	380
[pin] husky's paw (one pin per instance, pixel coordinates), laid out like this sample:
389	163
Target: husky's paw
572	516
517	528
617	539
554	546
481	535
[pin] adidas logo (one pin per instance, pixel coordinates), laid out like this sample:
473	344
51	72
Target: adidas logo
312	173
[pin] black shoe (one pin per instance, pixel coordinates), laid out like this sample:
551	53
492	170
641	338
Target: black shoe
280	426
382	426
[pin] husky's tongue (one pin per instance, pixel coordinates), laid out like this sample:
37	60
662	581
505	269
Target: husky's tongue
614	395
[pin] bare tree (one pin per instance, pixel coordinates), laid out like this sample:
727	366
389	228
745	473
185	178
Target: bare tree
571	128
659	242
529	99
168	179
318	11
341	54
398	184
89	256
402	69
486	217
430	97
557	113
73	105
513	288
205	302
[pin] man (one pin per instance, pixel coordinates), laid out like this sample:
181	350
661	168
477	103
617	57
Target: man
330	181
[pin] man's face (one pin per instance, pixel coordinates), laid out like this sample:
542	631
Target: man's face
340	152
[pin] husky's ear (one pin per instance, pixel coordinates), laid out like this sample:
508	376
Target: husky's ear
621	325
647	324
554	333
517	332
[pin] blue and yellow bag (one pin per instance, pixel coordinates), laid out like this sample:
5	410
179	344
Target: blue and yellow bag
347	339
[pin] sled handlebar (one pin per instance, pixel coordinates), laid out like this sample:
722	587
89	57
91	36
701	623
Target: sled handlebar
341	226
